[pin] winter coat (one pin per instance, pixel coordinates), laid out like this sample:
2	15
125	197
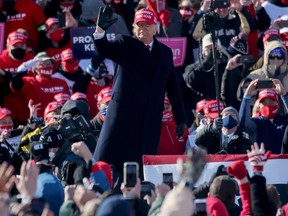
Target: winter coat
133	122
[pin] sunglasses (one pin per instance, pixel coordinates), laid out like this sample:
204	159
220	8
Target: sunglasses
276	57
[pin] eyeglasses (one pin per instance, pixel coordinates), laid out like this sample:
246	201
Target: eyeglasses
276	57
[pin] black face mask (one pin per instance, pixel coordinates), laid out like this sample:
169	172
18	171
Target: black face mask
18	53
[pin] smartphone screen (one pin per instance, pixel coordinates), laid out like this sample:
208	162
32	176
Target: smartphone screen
263	84
145	189
160	5
130	173
62	19
200	207
168	179
220	3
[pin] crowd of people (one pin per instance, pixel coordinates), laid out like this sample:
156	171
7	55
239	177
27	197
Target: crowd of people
68	127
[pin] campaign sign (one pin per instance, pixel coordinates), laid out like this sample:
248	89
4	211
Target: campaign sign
82	41
178	46
2	31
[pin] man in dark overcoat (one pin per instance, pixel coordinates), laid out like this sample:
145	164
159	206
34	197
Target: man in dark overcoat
144	73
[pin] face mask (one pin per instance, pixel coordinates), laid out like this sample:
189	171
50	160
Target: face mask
186	12
57	35
167	116
70	67
269	111
6	127
229	122
51	155
18	53
45	72
66	6
103	113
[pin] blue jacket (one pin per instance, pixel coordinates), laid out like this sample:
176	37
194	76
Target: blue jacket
267	131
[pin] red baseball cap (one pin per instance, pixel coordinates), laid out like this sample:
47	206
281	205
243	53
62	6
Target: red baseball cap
105	95
200	105
145	15
16	37
5	112
61	97
52	106
268	93
79	96
211	108
269	33
50	21
67	54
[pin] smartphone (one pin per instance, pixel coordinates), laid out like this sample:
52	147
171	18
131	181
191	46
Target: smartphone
37	206
130	173
263	84
220	3
62	19
246	59
168	179
283	23
146	188
15	132
160	5
200	207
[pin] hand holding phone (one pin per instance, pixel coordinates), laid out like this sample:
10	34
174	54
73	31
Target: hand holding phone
263	84
168	179
130	173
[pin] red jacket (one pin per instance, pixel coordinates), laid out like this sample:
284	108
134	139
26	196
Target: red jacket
169	143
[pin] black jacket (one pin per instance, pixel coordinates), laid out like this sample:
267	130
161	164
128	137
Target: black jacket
133	122
210	140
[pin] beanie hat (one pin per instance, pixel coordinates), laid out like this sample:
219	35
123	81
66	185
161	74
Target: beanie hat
101	175
114	206
39	151
277	52
231	109
238	45
51	137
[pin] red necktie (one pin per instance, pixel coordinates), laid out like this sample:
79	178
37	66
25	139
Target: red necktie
148	46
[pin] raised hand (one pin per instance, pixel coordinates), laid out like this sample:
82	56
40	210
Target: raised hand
257	156
105	20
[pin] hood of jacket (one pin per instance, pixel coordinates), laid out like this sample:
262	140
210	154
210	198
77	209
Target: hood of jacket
266	68
76	107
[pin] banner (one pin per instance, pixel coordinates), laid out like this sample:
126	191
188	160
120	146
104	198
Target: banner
274	170
82	41
2	32
178	46
154	166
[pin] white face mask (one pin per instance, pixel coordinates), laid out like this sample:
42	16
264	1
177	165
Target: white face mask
51	155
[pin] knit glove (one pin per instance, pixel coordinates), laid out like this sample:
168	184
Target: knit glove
237	169
28	65
257	157
164	16
105	20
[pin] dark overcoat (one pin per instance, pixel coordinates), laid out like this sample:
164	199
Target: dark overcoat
133	122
